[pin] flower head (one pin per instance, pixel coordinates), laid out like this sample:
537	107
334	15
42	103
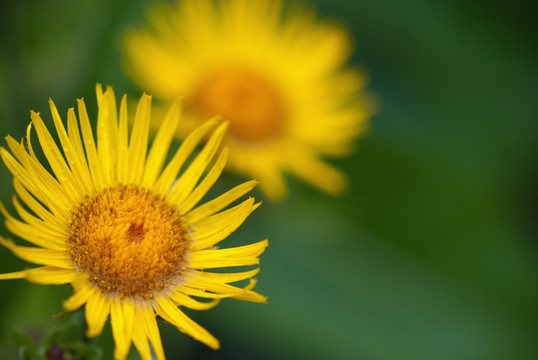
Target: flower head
275	73
122	228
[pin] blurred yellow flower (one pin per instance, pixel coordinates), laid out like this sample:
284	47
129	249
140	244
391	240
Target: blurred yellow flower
275	72
123	231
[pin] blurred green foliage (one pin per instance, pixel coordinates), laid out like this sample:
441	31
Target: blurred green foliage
432	253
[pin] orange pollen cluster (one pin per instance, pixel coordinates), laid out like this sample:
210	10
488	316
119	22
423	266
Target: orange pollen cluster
129	241
251	103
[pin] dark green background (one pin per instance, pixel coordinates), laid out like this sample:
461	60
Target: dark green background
432	253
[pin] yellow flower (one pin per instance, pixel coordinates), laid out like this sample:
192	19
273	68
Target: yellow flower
123	231
276	72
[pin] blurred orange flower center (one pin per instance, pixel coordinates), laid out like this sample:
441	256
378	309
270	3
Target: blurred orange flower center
129	241
251	104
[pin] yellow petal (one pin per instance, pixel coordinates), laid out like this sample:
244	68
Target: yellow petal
138	144
206	184
123	142
217	287
89	144
213	229
215	205
13	275
38	255
181	299
50	275
237	256
231	277
97	310
121	319
140	339
79	298
188	180
168	176
161	144
168	311
54	156
150	325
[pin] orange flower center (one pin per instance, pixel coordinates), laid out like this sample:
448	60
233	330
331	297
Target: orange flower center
129	241
251	104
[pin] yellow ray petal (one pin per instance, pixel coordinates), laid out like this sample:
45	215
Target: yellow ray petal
37	207
97	310
217	287
168	311
206	184
237	256
152	331
231	277
169	174
13	275
138	145
50	275
39	256
35	178
121	319
181	299
161	144
107	134
188	180
211	207
80	173
140	339
54	156
38	224
308	168
123	142
28	233
79	298
89	144
76	142
215	228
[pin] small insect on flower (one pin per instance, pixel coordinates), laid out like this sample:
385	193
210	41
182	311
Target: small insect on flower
119	226
275	71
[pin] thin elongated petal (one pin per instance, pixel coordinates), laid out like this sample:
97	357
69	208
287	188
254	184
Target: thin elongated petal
13	275
97	310
152	331
217	287
105	137
80	172
38	208
140	338
50	275
214	229
122	318
79	298
169	174
215	205
28	233
181	299
38	255
123	142
89	144
238	256
161	144
190	177
169	311
138	144
206	184
231	277
55	157
38	224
